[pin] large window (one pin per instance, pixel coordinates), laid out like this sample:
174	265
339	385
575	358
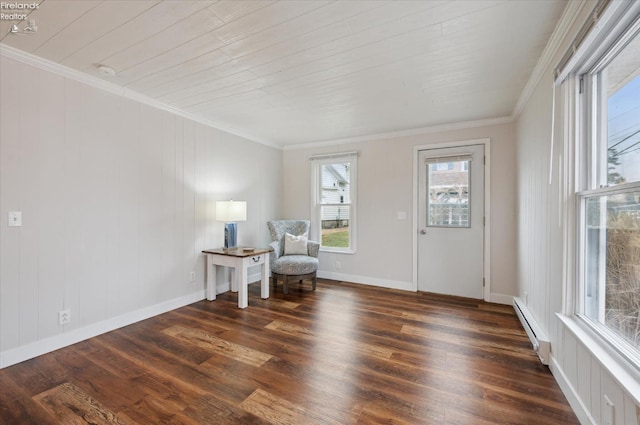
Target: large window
610	196
334	201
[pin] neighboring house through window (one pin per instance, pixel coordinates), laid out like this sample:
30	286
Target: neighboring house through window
334	196
448	200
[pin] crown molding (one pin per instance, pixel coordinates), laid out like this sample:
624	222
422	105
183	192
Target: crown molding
81	77
569	16
100	84
403	133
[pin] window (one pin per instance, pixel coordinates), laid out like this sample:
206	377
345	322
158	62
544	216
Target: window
609	202
448	200
334	201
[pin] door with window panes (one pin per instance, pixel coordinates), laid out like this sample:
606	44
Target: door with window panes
451	221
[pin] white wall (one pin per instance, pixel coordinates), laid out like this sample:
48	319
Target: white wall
117	200
583	376
385	186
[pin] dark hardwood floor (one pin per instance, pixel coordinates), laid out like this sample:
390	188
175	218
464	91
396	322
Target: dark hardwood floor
344	354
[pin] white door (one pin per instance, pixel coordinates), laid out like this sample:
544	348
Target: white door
451	221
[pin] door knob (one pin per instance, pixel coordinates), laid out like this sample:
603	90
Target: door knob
423	231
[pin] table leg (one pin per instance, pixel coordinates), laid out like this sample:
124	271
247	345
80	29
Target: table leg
211	279
234	280
243	290
264	283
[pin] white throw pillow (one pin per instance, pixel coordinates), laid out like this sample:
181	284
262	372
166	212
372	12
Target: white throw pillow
295	245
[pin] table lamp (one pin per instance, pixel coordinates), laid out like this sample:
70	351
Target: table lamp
230	212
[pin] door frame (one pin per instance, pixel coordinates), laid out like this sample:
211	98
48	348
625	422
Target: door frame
487	207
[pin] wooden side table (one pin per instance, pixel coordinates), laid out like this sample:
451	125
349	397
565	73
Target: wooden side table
239	259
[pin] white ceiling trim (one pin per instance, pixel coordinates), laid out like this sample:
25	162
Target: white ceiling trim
569	16
100	84
66	72
404	133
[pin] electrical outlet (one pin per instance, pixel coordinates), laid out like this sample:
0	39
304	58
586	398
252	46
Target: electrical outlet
192	276
608	415
64	317
337	265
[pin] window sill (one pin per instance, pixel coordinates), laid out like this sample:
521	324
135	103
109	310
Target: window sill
623	372
337	251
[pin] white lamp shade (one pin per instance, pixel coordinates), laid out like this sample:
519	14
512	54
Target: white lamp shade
231	211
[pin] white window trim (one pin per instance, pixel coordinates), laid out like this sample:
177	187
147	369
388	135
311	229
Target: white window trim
595	182
577	155
316	221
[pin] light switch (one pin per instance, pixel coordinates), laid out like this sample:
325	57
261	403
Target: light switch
15	218
401	215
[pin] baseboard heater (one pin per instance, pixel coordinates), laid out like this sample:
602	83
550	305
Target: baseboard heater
539	340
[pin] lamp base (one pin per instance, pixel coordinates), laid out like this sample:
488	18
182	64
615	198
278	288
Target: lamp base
230	235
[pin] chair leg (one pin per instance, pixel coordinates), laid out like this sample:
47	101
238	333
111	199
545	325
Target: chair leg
285	287
313	282
275	281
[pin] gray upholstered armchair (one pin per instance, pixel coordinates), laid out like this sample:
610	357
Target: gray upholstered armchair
299	265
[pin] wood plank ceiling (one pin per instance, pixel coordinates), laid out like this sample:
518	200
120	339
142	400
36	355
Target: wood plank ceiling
292	72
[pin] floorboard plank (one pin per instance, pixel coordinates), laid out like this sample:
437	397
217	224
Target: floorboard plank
280	411
71	405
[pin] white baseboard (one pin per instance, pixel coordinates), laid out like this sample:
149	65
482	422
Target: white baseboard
397	284
29	351
501	298
570	393
366	280
47	345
